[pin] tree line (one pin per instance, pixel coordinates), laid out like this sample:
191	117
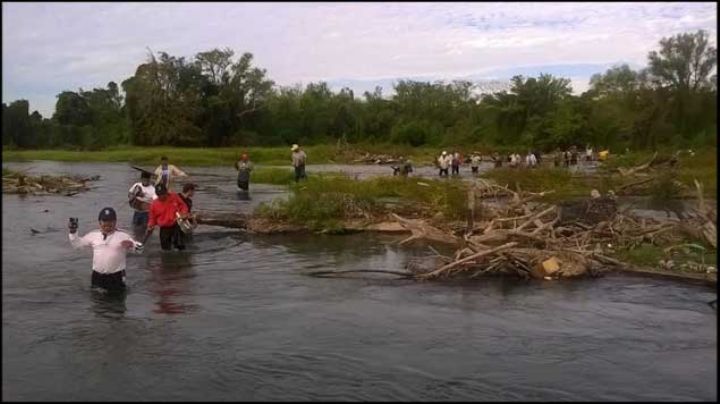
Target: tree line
218	100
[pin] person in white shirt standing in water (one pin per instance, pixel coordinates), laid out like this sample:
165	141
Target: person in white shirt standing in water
110	247
165	173
140	196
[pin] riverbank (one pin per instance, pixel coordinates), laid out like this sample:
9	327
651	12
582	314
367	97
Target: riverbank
702	166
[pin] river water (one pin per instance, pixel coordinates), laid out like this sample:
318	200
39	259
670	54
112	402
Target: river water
236	317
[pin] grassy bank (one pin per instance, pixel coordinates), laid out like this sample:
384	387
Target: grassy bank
321	154
322	203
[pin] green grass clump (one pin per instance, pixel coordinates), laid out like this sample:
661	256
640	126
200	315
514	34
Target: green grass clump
649	255
322	202
644	255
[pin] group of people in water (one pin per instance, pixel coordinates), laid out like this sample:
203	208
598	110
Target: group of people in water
533	158
155	205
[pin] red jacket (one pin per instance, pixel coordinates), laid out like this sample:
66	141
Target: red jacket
163	213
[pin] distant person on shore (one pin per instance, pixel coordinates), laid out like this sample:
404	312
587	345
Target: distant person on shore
444	163
140	196
475	163
298	161
243	166
566	158
110	247
164	212
530	160
165	172
455	163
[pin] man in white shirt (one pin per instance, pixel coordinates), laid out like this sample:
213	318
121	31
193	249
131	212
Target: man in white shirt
475	163
140	196
444	163
298	161
110	247
165	172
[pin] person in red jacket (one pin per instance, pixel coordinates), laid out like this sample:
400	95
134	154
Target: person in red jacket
163	213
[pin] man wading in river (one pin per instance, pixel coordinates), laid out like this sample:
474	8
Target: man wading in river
165	173
110	247
298	161
244	166
140	196
164	212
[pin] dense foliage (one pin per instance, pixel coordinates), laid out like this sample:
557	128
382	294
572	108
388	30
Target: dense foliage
217	100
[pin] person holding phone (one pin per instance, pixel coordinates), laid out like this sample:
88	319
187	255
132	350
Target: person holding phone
110	247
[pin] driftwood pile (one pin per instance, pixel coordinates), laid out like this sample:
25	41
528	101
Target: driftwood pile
19	183
538	240
377	159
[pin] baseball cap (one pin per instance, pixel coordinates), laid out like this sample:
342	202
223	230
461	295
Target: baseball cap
107	215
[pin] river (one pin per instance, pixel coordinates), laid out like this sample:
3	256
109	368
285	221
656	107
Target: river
235	317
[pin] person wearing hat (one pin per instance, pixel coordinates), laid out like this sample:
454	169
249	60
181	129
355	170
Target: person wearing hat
163	213
165	172
140	196
110	247
444	163
243	167
298	161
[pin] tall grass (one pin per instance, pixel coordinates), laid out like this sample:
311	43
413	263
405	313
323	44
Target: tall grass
322	202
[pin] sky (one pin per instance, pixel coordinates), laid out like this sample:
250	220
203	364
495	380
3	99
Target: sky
48	48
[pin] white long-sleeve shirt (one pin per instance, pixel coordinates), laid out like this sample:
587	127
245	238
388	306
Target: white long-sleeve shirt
147	191
444	161
108	253
170	172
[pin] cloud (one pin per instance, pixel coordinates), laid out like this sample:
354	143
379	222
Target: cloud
59	46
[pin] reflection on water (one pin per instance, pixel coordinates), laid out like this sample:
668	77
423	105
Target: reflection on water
108	304
243	195
169	281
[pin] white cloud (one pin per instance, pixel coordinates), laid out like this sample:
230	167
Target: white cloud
50	47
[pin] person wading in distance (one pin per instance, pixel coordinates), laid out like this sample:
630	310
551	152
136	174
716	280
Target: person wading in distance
165	173
243	166
298	161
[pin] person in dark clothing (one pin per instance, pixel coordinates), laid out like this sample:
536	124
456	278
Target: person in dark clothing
186	195
243	167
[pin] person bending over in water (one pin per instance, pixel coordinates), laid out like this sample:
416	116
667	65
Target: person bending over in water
110	247
243	167
164	213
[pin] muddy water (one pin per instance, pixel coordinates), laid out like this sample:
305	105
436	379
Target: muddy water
236	318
